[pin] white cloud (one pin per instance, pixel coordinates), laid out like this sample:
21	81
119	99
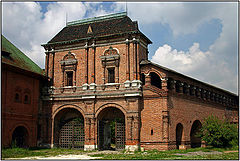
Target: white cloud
197	64
184	62
218	65
27	27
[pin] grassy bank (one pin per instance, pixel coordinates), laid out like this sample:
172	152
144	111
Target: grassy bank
196	153
190	154
21	153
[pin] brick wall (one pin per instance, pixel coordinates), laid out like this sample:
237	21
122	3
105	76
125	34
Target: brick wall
19	113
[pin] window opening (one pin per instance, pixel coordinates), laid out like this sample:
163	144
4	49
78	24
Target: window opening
155	80
69	78
111	75
152	132
25	98
178	86
17	98
142	78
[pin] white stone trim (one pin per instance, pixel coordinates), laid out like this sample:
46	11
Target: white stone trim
90	147
85	86
92	86
111	84
132	147
52	145
87	97
69	87
132	94
127	84
136	84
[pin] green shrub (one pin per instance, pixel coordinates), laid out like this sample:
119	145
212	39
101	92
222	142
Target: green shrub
219	133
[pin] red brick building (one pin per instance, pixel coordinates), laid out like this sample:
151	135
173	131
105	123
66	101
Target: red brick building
106	94
21	79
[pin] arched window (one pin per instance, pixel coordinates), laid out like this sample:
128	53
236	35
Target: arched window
69	67
17	94
110	62
26	99
155	80
17	97
27	94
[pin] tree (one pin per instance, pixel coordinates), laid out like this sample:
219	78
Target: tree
219	133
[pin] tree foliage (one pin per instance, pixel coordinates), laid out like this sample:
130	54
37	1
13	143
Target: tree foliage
219	133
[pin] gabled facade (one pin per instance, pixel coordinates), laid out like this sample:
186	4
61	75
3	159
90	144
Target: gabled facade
21	79
105	94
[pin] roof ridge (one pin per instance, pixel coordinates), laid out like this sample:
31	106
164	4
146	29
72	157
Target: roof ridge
96	19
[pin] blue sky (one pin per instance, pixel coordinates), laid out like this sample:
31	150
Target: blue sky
196	39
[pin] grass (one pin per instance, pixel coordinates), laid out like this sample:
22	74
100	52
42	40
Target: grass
139	155
20	152
171	154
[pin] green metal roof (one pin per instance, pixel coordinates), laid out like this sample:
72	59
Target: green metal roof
96	19
17	58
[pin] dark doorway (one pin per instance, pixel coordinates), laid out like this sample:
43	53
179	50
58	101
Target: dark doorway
20	137
195	140
69	129
111	129
179	134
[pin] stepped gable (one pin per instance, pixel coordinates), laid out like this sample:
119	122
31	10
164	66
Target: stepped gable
11	55
108	25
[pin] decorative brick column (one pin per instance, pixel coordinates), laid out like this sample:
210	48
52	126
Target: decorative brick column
165	129
127	61
164	83
90	128
165	118
132	133
86	64
147	80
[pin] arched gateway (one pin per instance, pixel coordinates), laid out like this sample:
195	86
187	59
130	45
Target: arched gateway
20	137
69	129
195	139
111	129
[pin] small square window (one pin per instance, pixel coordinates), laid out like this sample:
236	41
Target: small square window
111	75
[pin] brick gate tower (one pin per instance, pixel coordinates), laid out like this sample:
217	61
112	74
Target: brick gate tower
104	93
93	67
